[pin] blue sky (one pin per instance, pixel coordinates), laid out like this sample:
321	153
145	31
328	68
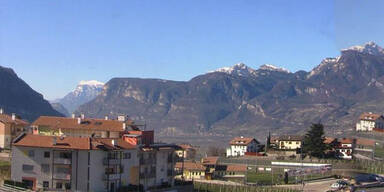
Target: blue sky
53	45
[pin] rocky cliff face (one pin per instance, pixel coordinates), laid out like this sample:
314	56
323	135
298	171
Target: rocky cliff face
17	97
241	100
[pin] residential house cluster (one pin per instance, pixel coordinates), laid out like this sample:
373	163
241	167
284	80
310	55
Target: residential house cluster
210	168
87	154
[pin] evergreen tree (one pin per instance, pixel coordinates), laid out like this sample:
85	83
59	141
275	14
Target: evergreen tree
313	143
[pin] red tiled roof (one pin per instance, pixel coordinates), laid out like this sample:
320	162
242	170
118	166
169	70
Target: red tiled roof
72	123
237	168
210	160
8	119
369	116
190	166
80	143
242	141
290	138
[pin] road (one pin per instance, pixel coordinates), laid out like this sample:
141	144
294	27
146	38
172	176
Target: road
320	186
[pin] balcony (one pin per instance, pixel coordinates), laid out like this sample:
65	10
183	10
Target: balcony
63	161
62	176
110	161
111	176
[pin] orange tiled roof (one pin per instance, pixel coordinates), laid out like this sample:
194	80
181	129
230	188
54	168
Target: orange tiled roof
8	119
328	140
80	143
369	116
72	123
190	166
346	141
366	142
210	160
242	141
237	168
185	146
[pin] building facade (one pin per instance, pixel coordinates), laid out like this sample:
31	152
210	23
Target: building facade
240	145
10	127
370	122
289	142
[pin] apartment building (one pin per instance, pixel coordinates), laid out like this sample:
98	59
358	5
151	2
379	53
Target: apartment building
73	163
10	127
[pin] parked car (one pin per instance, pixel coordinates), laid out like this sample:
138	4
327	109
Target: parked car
339	185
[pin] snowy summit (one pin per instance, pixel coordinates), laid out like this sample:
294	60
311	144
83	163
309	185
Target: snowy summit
91	83
270	67
369	48
239	69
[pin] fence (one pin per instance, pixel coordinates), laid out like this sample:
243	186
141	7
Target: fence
209	187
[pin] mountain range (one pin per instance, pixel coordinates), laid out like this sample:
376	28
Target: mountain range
239	100
18	97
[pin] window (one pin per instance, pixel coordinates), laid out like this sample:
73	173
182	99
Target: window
127	156
45	168
31	153
47	154
67	186
59	185
27	167
45	184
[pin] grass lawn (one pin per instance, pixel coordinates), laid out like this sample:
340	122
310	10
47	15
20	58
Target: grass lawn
5	170
379	152
265	178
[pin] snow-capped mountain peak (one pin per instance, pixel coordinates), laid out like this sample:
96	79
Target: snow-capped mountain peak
91	83
368	48
238	69
84	92
270	67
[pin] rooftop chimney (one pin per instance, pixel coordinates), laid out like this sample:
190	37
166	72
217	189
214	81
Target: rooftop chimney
121	117
124	126
73	115
13	116
82	116
78	120
113	142
1	111
54	141
106	117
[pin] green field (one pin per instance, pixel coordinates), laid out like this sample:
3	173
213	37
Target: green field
379	152
265	178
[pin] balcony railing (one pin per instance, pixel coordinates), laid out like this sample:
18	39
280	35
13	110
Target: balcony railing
64	161
109	161
62	176
111	176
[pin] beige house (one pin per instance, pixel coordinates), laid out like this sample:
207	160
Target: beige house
10	127
186	151
289	142
191	170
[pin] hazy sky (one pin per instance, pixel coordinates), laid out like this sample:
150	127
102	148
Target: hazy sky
53	45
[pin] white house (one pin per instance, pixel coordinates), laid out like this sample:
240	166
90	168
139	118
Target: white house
240	145
369	122
345	148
